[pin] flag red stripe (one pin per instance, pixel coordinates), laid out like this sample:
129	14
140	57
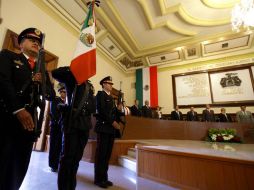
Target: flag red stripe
84	66
153	87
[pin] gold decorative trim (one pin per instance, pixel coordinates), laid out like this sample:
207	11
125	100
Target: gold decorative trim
128	63
192	51
179	58
205	64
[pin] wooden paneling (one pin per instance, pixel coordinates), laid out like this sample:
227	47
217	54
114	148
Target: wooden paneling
145	128
190	171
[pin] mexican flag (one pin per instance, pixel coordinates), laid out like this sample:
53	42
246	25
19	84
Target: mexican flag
147	86
83	64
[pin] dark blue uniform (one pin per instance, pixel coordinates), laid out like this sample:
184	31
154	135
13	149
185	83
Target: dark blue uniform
176	116
76	124
55	132
105	136
15	142
147	111
192	116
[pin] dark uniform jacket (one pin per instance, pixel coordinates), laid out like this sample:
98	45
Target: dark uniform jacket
15	72
105	108
223	118
208	115
15	75
135	111
176	116
55	111
192	116
147	112
79	118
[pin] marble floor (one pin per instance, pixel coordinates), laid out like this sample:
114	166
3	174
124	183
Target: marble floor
39	177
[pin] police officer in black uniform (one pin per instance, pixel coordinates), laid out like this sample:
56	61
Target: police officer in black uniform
17	125
56	122
76	125
105	128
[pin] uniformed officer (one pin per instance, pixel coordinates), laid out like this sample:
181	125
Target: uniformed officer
76	125
56	123
17	126
105	129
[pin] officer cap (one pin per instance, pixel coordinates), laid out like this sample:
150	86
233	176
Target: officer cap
30	33
60	87
107	79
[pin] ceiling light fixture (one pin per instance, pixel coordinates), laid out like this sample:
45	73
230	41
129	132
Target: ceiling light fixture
242	15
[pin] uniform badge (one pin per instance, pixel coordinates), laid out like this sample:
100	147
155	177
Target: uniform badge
87	39
18	62
37	32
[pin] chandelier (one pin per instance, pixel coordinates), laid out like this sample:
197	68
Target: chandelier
243	15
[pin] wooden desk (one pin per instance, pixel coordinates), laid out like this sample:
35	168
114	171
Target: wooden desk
198	165
145	128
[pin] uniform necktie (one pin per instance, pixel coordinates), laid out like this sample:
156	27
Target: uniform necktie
31	63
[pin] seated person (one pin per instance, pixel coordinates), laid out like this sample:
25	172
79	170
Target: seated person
192	115
244	116
158	113
146	110
208	114
135	111
223	116
176	114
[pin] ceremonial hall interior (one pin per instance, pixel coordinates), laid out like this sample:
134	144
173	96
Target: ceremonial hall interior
202	52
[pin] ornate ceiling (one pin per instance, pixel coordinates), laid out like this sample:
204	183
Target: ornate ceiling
140	33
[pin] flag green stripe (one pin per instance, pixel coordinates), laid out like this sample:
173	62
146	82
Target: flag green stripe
88	17
139	86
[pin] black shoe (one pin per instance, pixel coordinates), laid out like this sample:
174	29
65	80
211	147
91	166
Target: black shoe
109	183
102	184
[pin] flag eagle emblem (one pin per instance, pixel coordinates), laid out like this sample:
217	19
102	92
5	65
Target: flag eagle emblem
87	39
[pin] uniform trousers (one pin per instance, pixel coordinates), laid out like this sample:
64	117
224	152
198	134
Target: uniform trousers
75	141
104	148
15	153
55	146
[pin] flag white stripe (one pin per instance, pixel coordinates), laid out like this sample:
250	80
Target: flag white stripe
81	47
146	81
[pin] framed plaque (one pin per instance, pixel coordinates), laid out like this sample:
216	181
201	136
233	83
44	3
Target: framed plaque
232	86
192	89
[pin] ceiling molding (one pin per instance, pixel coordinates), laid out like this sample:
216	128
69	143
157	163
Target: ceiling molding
201	22
220	4
60	11
155	33
166	23
187	17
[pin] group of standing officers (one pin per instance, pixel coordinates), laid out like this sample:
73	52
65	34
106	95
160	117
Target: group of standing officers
70	118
